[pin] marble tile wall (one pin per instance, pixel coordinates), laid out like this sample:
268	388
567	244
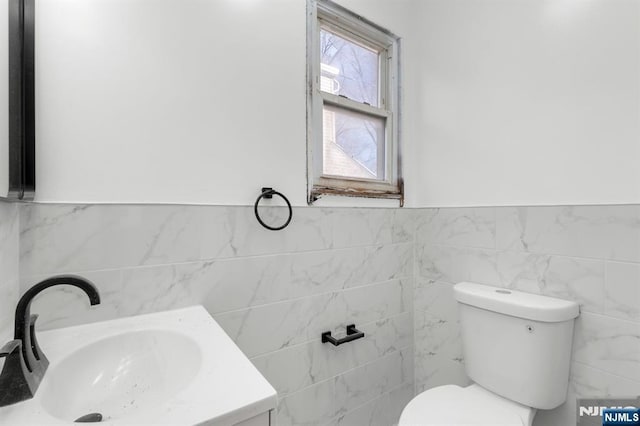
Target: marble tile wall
390	271
9	287
273	292
590	254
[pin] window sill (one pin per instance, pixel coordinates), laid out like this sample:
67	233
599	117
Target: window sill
319	191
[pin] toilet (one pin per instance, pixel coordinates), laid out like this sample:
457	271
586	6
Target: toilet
517	351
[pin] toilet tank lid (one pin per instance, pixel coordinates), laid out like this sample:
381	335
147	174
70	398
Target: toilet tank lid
516	303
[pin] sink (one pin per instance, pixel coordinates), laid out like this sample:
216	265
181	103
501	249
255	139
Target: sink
128	372
175	367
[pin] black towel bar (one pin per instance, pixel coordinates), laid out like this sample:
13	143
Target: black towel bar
352	334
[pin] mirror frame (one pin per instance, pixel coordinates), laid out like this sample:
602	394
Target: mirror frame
22	183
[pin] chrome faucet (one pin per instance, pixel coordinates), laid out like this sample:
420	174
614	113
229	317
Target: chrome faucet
25	363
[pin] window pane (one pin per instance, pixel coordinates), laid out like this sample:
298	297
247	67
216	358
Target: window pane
353	144
348	69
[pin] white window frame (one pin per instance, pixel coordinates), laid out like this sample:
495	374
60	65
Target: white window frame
326	14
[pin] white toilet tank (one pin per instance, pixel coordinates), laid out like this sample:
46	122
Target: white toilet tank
517	345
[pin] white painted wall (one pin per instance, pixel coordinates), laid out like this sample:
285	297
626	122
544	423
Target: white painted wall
529	102
203	101
189	101
192	101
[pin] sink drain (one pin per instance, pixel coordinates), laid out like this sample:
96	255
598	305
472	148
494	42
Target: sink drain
89	418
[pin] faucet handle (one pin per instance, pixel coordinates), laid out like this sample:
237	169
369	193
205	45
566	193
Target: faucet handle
17	383
10	347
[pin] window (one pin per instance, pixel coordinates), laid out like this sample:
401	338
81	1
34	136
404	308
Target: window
352	105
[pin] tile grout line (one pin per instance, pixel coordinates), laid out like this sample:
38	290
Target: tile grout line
331	378
310	341
328	293
530	252
600	370
382	395
217	259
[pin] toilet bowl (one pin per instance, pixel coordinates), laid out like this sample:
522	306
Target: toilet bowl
471	405
517	351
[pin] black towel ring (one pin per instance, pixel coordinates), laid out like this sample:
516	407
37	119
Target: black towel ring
269	193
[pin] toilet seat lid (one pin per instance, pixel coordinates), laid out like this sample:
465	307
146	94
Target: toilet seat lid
453	405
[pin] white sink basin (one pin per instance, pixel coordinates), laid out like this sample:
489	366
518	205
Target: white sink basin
127	372
176	367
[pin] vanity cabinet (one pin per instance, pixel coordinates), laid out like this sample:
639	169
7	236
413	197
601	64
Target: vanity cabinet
263	419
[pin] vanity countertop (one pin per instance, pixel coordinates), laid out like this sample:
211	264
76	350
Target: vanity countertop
192	374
